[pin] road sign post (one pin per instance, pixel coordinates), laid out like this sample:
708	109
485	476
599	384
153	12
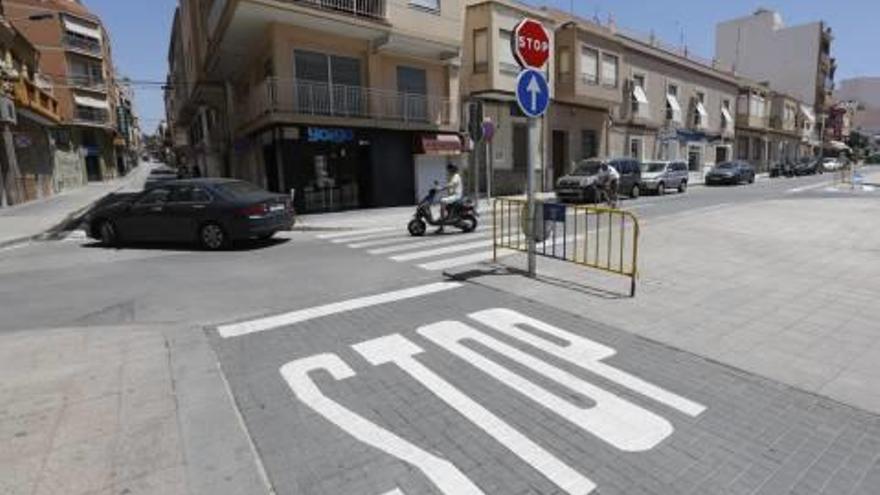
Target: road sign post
531	49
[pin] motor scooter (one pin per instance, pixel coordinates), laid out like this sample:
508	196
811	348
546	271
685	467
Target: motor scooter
461	215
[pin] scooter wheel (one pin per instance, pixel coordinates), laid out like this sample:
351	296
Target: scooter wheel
416	228
468	224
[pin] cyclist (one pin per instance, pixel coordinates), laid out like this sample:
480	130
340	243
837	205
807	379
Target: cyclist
608	181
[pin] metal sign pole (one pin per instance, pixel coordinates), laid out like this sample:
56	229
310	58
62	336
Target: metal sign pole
530	198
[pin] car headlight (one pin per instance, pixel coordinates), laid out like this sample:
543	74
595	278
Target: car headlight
587	181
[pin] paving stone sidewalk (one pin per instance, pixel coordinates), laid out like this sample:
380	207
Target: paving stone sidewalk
786	289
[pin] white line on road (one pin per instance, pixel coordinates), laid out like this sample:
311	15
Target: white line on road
457	261
412	240
423	243
366	237
353	233
807	188
441	251
299	316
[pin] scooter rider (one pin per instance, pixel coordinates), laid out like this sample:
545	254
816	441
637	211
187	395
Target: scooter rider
609	179
454	193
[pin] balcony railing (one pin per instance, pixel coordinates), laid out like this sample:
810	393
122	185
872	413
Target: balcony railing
31	96
87	82
374	9
82	44
350	102
92	115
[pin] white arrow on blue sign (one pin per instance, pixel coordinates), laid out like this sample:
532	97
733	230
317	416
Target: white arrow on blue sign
532	92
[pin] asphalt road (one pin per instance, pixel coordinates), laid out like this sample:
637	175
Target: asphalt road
356	372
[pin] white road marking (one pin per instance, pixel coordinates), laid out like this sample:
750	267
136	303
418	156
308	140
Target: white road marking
350	233
431	253
581	352
457	261
441	472
294	317
807	188
452	239
616	421
13	247
398	350
408	240
366	237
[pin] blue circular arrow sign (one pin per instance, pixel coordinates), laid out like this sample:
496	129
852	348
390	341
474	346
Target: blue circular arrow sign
532	92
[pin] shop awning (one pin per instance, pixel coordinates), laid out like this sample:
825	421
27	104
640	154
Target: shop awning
676	108
837	146
702	110
440	144
88	101
808	113
81	29
640	96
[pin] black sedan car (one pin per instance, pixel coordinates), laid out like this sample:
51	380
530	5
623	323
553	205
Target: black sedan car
731	173
809	166
213	212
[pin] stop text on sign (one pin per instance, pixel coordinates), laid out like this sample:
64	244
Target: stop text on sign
612	419
531	44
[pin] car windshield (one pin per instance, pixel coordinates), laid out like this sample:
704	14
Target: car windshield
239	188
653	167
587	167
726	166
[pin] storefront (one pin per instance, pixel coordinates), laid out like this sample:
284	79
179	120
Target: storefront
340	168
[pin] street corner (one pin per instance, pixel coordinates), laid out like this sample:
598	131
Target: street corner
464	390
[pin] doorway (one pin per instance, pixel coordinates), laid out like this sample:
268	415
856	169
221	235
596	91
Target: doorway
721	154
695	158
560	154
93	168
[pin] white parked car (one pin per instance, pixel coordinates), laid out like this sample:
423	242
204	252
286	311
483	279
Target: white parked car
832	164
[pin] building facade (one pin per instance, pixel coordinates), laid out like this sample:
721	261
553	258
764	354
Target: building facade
794	60
865	91
345	104
75	55
29	115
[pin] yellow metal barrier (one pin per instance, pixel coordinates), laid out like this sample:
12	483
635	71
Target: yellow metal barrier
601	238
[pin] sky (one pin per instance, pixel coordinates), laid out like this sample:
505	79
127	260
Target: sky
140	31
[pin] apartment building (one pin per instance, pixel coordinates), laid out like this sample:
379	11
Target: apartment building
795	60
785	128
75	55
488	76
675	106
349	104
29	113
866	92
752	123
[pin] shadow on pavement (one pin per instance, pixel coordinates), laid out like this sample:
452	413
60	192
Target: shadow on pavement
473	273
240	246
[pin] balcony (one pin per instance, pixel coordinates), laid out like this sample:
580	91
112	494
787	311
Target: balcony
91	116
30	96
86	82
285	101
372	9
83	44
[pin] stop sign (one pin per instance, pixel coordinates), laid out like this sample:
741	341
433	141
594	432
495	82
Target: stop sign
530	44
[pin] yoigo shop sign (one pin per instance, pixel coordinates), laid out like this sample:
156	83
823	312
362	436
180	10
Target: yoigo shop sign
325	135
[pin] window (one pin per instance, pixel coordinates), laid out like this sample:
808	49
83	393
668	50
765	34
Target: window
639	98
635	148
701	116
673	109
431	5
564	62
412	83
589	148
726	117
609	70
189	194
590	65
508	62
327	84
154	197
481	50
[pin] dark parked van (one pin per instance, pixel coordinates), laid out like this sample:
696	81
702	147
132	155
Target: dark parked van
579	186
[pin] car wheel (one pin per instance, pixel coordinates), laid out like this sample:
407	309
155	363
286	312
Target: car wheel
661	189
416	228
108	234
752	179
635	192
265	237
212	236
683	187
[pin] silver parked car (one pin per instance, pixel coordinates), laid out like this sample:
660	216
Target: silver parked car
658	176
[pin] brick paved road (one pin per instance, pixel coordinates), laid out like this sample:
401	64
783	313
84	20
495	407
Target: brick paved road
434	394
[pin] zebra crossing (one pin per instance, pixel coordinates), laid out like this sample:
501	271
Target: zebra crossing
433	252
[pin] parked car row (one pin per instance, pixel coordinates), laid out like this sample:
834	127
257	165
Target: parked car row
805	166
657	177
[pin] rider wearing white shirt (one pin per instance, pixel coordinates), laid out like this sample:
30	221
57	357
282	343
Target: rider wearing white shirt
609	178
454	192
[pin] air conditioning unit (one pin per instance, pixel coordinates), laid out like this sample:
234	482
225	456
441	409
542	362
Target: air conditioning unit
7	111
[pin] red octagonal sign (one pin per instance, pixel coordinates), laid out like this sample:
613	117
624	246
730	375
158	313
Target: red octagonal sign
530	44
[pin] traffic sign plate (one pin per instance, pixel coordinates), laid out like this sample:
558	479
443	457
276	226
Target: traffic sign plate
532	92
530	44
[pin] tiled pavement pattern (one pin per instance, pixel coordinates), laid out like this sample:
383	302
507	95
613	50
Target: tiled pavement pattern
754	437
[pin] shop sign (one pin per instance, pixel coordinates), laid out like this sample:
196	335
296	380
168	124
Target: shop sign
325	135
